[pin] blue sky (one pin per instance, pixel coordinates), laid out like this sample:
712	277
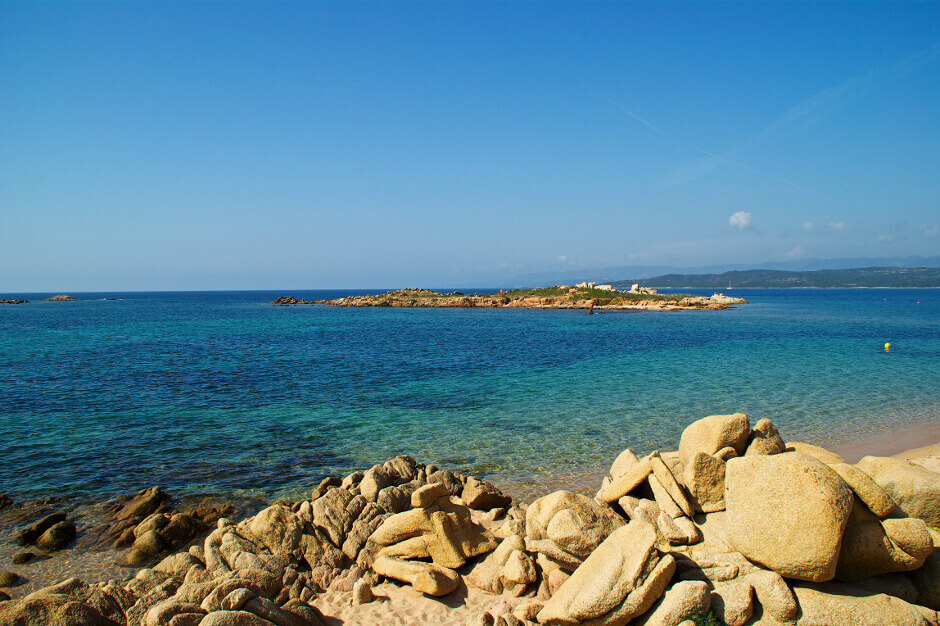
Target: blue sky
352	144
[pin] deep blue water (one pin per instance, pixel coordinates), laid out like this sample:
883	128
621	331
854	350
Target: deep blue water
221	392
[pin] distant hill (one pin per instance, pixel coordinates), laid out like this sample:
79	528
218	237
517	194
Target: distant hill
857	277
633	272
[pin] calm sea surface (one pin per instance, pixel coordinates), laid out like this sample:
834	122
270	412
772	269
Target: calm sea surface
223	393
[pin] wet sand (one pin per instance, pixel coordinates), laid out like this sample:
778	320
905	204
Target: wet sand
909	443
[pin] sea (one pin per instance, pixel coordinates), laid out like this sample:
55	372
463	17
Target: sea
221	393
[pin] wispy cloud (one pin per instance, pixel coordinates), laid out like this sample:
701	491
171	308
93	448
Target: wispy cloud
740	220
639	119
698	167
563	258
798	252
930	231
806	113
838	226
809	226
823	103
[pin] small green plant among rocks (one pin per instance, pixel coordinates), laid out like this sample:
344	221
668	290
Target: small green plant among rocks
706	618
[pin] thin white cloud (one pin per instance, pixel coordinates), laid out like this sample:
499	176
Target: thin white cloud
740	220
805	113
838	226
563	258
798	252
930	231
809	226
816	107
697	167
639	119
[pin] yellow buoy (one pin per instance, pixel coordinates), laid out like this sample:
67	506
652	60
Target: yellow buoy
887	346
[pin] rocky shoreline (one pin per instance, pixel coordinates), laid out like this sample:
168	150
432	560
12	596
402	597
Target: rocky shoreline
591	297
735	527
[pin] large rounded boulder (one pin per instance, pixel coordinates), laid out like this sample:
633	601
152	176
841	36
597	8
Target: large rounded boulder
787	512
713	433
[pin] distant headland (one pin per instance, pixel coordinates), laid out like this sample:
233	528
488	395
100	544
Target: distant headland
862	277
588	296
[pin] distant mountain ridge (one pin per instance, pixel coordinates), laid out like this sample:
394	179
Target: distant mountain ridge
898	277
634	272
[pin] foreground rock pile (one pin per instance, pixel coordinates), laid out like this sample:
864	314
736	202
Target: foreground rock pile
736	527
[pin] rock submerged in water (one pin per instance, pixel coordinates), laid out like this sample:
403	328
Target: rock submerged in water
735	525
152	525
23	557
57	536
289	300
52	532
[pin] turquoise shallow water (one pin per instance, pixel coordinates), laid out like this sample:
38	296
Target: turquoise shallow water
222	393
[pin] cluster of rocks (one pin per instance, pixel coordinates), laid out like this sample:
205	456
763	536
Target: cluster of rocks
62	298
592	285
153	527
721	298
422	298
267	568
288	300
635	288
5	301
52	532
737	526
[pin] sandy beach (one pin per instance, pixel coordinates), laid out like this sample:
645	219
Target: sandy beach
907	443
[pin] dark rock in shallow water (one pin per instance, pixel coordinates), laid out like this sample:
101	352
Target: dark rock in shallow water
23	557
129	511
142	504
5	501
35	530
8	579
154	525
57	536
285	300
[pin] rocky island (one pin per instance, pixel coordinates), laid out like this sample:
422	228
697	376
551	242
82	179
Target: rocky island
588	296
4	301
62	298
735	527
